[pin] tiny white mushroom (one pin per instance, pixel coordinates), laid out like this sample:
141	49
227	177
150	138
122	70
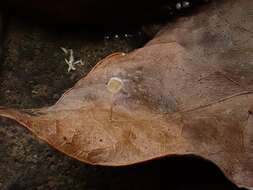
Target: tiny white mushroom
186	4
71	58
107	37
79	62
178	6
71	61
71	66
64	50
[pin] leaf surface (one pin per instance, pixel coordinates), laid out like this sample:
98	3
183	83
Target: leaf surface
188	91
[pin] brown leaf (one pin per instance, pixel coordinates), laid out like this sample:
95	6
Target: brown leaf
188	91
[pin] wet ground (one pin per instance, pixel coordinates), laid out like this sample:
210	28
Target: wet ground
33	73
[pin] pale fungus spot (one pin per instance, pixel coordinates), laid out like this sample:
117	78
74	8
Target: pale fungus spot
115	85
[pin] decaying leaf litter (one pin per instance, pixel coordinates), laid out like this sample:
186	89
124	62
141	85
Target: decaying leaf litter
188	91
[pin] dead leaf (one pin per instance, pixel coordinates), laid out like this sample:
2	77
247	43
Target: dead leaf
188	91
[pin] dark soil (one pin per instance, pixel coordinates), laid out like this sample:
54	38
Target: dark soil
33	73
